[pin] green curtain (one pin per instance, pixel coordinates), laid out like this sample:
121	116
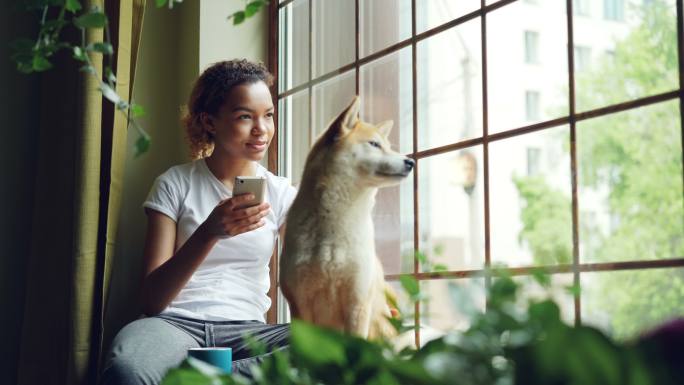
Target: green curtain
80	150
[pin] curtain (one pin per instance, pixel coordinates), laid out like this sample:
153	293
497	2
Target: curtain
80	149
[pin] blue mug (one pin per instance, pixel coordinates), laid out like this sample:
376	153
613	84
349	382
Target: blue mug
222	358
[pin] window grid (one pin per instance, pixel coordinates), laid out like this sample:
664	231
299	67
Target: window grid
571	119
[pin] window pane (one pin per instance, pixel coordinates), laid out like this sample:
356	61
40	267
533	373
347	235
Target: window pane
634	58
526	50
387	92
449	71
451	305
393	220
383	23
333	35
330	98
432	13
626	303
293	45
451	207
630	185
294	129
530	204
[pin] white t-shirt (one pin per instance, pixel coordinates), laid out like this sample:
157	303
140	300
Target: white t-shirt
233	281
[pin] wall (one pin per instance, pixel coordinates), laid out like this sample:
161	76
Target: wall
176	45
19	128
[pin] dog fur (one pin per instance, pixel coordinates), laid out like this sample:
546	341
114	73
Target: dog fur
329	271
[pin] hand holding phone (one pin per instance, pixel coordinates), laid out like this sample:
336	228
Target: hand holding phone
255	185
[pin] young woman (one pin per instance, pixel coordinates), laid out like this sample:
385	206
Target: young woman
205	261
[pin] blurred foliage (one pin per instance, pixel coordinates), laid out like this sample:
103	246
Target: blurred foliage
35	54
505	345
632	163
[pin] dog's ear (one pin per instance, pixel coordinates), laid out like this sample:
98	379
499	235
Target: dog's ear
344	122
385	127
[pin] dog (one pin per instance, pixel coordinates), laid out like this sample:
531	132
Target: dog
329	272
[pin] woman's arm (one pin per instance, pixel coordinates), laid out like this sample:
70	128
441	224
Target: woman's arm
166	273
164	276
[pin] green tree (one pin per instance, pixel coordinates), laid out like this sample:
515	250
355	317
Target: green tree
634	158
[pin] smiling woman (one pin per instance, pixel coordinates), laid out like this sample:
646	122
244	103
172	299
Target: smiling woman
206	258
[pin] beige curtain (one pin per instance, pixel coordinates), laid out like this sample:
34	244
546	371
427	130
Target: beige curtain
80	151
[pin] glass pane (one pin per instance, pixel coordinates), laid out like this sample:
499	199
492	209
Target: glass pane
293	121
432	13
451	207
530	199
330	98
630	185
294	45
449	71
626	303
393	220
383	23
334	35
387	92
633	53
451	305
530	289
527	64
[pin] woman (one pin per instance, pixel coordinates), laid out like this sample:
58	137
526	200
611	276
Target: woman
205	261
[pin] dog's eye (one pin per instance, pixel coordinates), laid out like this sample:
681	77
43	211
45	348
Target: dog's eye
375	144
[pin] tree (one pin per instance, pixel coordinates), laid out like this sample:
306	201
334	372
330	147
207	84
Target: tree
634	158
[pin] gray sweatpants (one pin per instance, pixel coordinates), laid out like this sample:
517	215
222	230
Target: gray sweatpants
144	350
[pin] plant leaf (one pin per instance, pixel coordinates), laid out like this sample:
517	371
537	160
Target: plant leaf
73	6
79	54
142	145
91	20
109	93
238	17
410	284
40	63
104	48
160	3
253	7
137	110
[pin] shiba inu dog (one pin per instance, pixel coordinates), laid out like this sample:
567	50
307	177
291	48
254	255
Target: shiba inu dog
329	271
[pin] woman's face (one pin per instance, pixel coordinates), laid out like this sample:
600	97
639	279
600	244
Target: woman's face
243	127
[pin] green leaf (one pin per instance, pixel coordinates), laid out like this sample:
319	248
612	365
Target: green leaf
253	7
91	20
439	268
73	6
88	69
439	249
316	345
109	93
421	257
104	48
40	63
541	276
161	3
410	284
79	54
238	17
573	290
142	145
110	75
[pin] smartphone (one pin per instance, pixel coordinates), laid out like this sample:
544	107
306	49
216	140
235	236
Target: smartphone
256	185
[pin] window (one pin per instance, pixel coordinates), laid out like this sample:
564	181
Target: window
531	105
559	185
614	10
533	155
581	7
582	58
531	47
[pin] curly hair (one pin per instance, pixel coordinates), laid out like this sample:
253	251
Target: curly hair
210	92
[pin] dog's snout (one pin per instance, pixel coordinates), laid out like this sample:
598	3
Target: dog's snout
409	163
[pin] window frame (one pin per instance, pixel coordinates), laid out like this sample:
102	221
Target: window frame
576	268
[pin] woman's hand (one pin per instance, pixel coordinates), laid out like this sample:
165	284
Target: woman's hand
226	219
